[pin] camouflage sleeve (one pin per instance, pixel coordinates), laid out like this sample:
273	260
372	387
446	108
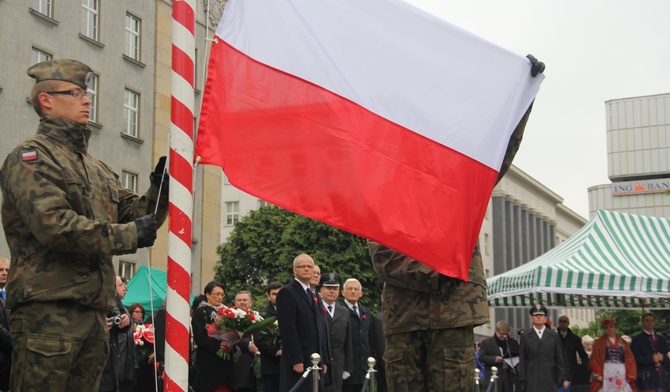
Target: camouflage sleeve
399	270
514	143
38	189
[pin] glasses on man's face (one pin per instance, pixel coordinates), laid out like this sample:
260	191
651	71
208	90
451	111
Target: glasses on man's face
305	266
562	321
74	93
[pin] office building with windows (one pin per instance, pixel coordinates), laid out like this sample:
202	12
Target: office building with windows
638	157
128	45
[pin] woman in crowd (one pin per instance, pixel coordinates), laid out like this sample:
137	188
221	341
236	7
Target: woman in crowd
215	374
612	362
144	353
587	342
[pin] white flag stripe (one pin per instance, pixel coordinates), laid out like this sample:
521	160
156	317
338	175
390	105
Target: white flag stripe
470	102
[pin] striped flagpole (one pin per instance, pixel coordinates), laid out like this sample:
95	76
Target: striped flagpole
181	196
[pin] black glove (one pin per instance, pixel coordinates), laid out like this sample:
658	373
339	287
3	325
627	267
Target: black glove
536	66
146	230
157	175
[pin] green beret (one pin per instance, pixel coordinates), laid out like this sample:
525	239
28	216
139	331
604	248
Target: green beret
66	70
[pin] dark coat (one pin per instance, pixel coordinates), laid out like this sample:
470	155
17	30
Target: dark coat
643	349
268	347
361	336
5	347
507	376
338	328
379	347
572	346
541	362
245	379
303	333
213	371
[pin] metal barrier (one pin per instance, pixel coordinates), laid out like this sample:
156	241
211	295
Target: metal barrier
314	369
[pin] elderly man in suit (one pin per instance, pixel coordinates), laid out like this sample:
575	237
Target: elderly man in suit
541	362
502	352
361	334
301	326
338	326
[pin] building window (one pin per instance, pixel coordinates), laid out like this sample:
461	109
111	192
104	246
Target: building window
44	7
89	19
37	56
486	244
126	269
132	37
129	180
131	109
232	212
263	203
93	94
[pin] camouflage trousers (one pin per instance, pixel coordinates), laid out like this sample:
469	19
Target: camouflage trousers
441	360
58	346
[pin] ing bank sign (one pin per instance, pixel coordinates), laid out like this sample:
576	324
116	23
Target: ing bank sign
640	187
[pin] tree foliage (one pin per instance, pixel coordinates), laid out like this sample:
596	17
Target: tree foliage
628	323
264	243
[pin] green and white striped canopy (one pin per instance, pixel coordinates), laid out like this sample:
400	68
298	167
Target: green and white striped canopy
616	260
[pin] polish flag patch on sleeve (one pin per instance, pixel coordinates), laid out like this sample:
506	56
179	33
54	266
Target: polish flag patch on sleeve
29	155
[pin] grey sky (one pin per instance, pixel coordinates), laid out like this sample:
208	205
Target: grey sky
595	51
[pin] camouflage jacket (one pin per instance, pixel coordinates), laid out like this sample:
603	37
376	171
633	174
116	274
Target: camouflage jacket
64	215
416	297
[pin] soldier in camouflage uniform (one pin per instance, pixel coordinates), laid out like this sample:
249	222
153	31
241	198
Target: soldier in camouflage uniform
429	318
65	214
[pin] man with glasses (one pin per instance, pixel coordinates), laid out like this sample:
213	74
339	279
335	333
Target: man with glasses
301	327
65	214
572	347
502	352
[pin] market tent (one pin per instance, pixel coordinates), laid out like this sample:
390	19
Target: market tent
140	290
616	260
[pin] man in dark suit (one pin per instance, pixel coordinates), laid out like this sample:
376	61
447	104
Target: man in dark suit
541	362
572	347
245	379
269	343
361	334
503	353
301	327
338	326
651	356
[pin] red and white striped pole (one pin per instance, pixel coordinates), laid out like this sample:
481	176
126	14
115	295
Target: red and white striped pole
181	196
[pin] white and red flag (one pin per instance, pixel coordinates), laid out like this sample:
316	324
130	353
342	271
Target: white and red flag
372	116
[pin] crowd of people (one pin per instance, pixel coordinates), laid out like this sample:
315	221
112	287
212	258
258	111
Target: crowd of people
543	358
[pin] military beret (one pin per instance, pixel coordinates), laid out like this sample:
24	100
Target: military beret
66	70
330	279
538	309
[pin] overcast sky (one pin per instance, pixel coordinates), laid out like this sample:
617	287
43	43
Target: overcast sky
595	51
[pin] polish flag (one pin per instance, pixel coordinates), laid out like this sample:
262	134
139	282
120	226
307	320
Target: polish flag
371	116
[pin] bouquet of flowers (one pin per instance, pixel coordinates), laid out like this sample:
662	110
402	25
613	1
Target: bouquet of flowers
143	334
231	324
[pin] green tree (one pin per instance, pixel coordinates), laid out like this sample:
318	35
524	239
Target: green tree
264	243
628	323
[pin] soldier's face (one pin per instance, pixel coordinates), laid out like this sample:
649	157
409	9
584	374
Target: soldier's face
330	293
75	109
